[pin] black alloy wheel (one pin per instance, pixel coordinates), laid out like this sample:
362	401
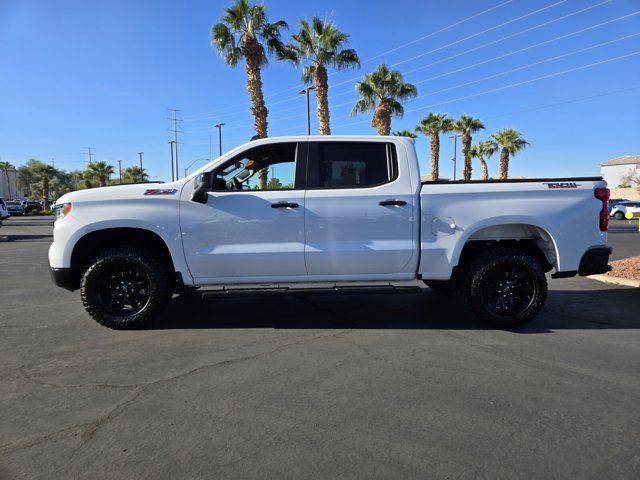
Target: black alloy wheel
123	289
505	287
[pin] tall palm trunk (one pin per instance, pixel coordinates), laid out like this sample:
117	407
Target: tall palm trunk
466	152
102	180
382	119
435	155
485	169
321	83
252	54
504	164
45	192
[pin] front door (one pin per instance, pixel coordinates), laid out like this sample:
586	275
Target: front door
359	212
251	228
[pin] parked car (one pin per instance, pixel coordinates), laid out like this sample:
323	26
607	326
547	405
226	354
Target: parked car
615	201
4	212
618	212
345	210
30	206
15	207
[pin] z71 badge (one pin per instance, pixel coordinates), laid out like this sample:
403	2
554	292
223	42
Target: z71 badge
563	185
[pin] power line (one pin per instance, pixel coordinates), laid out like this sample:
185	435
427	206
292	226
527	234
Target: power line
505	87
455	24
493	59
467	51
566	102
424	37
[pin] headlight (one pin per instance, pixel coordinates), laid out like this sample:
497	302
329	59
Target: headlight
62	210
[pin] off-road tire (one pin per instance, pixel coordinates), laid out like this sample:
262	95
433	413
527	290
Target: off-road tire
158	277
477	276
618	216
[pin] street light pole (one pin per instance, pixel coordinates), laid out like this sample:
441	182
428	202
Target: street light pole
306	91
141	174
455	153
219	127
196	160
173	173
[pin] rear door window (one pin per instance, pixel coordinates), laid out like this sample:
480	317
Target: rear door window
351	164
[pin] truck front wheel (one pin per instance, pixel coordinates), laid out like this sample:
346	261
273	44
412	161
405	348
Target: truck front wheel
505	287
126	287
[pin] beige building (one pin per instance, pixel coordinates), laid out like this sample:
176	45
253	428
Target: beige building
614	170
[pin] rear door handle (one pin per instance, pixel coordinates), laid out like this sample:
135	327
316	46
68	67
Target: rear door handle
392	203
284	205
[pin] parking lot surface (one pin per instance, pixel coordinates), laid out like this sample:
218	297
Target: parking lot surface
317	386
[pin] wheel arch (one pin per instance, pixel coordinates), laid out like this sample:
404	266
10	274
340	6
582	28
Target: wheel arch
96	241
525	234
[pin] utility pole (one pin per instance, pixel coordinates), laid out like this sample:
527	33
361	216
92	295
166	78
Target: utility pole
173	173
141	174
306	91
175	137
90	154
53	163
219	127
455	153
120	170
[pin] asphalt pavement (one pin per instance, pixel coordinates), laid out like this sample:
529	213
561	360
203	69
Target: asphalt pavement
315	386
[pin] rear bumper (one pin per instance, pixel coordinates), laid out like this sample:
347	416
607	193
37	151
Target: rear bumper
595	261
62	278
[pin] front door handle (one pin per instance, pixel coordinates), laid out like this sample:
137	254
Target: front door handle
392	203
284	205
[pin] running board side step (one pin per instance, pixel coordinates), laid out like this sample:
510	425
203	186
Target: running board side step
331	290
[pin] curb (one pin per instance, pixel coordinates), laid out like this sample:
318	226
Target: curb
615	280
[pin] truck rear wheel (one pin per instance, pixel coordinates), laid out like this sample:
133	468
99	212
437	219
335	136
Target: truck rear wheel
505	287
125	288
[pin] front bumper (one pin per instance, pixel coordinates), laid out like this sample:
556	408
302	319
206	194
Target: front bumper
62	278
595	261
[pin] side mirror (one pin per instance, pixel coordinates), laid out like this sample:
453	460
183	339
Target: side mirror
202	184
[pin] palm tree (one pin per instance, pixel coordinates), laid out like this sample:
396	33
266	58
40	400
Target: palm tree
101	171
245	32
481	150
319	45
405	133
45	173
388	89
511	142
431	126
6	167
134	175
467	125
85	177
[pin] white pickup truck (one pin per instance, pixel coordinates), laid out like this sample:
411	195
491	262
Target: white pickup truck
327	212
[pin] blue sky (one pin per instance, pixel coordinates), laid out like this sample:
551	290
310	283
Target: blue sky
75	74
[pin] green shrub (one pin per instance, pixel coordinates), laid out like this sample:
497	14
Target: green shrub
42	212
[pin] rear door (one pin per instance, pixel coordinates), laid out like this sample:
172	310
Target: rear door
359	211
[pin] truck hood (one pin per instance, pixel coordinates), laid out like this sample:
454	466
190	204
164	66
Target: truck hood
119	192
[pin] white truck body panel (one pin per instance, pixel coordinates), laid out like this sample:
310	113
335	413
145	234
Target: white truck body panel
337	234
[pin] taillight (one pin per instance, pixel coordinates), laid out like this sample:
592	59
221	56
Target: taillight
603	195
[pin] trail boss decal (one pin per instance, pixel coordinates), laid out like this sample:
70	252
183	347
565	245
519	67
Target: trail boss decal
563	185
